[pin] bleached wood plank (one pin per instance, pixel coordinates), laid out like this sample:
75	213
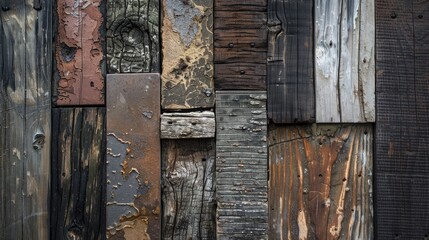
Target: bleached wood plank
187	125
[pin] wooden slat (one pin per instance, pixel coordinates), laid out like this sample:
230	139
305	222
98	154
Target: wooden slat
133	36
402	166
241	165
321	182
77	203
240	40
187	66
188	125
79	78
290	61
188	189
344	61
133	156
25	119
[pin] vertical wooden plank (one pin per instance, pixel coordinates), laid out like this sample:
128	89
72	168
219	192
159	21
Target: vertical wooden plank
290	61
78	174
79	72
133	156
344	61
321	182
188	189
240	41
402	124
241	165
187	66
133	36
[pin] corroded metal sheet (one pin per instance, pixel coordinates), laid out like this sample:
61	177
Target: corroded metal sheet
133	156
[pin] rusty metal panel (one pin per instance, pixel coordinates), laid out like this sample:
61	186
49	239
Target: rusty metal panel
133	156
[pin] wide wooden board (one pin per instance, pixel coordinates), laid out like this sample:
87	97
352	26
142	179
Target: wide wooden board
344	61
133	156
189	206
78	175
241	165
290	61
79	53
177	125
187	46
133	43
321	182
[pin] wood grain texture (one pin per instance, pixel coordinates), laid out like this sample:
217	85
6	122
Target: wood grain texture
79	76
189	207
133	43
344	61
321	182
188	125
241	165
240	41
25	119
187	45
78	174
133	156
402	124
291	96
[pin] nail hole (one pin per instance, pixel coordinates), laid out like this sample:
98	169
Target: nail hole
91	84
193	123
393	15
420	16
366	132
320	175
344	179
170	122
203	159
242	72
364	60
231	45
252	44
330	43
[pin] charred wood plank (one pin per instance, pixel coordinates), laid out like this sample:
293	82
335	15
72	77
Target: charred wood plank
133	156
187	125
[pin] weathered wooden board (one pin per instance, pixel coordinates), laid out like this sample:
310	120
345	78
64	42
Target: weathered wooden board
290	61
321	182
344	61
240	41
189	207
133	156
133	36
187	45
402	124
79	77
241	165
188	125
77	203
25	119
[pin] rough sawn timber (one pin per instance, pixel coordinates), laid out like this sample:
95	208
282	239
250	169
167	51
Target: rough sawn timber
321	182
189	207
133	36
78	182
187	46
79	76
188	125
241	165
290	61
133	156
345	61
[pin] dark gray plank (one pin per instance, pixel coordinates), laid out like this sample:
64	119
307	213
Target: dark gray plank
241	165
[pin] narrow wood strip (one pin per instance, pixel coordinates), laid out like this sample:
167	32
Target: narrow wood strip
188	125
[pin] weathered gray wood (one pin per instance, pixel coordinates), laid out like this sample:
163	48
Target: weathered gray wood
133	36
187	66
241	165
78	176
321	182
189	207
188	125
344	61
25	34
133	156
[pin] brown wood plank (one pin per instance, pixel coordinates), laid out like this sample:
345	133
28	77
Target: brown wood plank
78	177
188	125
402	123
79	74
321	182
189	209
187	66
241	165
133	156
240	37
291	96
132	34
